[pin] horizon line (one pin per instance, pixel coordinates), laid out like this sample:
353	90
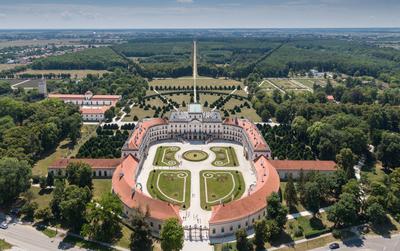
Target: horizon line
214	28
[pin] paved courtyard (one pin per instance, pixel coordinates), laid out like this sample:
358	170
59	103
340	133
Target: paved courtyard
195	215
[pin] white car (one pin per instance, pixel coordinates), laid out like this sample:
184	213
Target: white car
3	225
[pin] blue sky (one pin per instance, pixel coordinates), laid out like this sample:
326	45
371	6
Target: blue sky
38	14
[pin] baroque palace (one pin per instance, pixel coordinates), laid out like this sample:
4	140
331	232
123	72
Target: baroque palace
195	124
201	128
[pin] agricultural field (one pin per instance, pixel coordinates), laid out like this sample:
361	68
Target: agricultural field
225	156
8	66
38	42
165	156
73	73
218	187
170	185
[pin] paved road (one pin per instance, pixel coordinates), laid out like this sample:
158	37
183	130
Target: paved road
29	239
375	243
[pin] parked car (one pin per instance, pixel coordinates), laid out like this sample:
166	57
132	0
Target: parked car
3	225
334	246
15	211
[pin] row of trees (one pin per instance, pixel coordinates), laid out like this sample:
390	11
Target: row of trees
217	86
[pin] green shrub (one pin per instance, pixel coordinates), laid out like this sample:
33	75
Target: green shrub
315	233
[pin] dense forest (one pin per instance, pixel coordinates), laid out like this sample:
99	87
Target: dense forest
271	57
360	117
119	82
101	58
27	130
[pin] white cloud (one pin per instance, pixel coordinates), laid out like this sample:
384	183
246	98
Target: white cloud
184	1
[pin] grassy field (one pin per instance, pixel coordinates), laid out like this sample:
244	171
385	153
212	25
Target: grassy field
8	66
87	245
64	149
284	84
100	187
170	185
309	82
140	113
307	224
42	197
47	231
74	73
195	155
220	187
165	156
225	156
36	42
4	245
311	244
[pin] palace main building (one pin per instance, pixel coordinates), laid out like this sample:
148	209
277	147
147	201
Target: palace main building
195	124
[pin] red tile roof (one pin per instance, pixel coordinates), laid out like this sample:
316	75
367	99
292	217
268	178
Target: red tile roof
82	96
141	130
124	185
252	132
94	163
94	109
307	165
330	98
267	183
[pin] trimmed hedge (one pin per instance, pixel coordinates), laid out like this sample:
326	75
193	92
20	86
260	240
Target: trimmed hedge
316	233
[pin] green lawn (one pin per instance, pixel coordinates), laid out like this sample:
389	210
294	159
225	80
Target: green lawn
225	156
78	242
100	187
220	187
307	224
170	185
165	156
4	245
195	155
125	239
42	197
311	244
47	231
375	174
64	149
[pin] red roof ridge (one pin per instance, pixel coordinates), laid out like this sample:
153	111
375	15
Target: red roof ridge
256	201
